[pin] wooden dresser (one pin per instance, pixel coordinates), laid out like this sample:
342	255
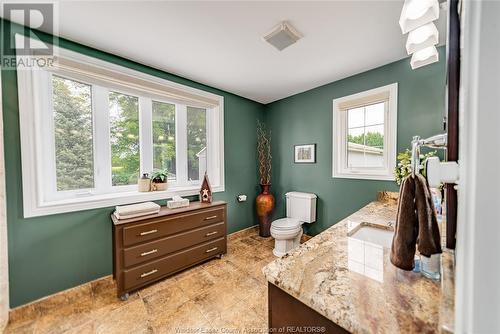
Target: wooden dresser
148	248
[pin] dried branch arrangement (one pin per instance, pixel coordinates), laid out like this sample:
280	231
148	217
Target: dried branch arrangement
264	153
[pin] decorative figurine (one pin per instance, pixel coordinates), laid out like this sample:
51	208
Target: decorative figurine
206	190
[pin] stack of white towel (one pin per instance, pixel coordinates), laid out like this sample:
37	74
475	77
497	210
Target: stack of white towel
136	210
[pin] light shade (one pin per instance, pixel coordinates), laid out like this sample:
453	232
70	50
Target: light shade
424	57
422	37
417	13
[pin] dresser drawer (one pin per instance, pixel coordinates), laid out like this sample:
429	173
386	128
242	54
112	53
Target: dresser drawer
156	269
161	247
164	226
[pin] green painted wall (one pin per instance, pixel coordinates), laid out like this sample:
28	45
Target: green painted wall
307	118
53	253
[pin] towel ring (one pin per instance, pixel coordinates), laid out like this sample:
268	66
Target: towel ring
415	156
437	141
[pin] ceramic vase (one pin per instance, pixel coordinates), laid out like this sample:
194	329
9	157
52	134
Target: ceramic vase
144	183
265	206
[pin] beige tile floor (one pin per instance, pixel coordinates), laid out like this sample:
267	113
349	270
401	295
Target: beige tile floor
227	295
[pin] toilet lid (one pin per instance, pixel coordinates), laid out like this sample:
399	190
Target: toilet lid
286	223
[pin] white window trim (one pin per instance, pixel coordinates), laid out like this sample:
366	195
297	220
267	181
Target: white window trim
34	203
339	144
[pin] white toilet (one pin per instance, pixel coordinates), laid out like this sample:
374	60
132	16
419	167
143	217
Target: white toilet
300	208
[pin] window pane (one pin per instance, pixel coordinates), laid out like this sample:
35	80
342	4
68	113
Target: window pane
374	141
356	117
375	114
124	118
72	103
196	142
164	137
374	136
356	135
355	147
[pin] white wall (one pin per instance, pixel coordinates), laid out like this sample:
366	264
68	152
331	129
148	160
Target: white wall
477	304
4	276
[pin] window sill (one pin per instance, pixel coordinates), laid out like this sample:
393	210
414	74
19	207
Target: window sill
108	200
375	177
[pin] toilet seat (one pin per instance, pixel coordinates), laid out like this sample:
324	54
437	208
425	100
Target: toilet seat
286	224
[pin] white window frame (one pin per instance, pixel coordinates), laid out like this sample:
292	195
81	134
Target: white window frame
340	169
36	120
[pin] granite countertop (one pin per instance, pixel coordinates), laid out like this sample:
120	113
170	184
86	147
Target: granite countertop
321	274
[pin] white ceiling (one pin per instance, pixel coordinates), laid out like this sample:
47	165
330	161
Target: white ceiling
220	43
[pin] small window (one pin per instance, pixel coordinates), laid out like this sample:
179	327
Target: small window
364	138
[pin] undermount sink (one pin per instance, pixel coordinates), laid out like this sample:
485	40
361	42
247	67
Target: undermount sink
365	246
373	233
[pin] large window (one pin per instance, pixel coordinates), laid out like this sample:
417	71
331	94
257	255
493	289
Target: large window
364	137
89	129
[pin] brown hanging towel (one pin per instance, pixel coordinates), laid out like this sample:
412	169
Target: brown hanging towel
406	229
429	239
416	222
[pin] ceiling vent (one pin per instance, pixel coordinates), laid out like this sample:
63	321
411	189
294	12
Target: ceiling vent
282	36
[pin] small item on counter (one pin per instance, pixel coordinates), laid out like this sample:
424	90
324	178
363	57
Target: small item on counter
144	183
136	210
431	266
177	202
437	200
417	268
159	180
206	190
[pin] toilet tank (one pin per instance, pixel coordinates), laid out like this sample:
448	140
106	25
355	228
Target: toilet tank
301	206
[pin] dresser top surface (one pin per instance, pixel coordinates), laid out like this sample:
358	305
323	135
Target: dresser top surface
165	211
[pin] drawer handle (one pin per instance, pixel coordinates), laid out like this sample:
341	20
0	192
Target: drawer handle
211	250
211	233
211	217
149	273
150	252
148	232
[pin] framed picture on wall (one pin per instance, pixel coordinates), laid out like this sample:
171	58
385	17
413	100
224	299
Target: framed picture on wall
305	154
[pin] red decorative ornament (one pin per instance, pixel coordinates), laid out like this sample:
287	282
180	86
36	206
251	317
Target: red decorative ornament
206	190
